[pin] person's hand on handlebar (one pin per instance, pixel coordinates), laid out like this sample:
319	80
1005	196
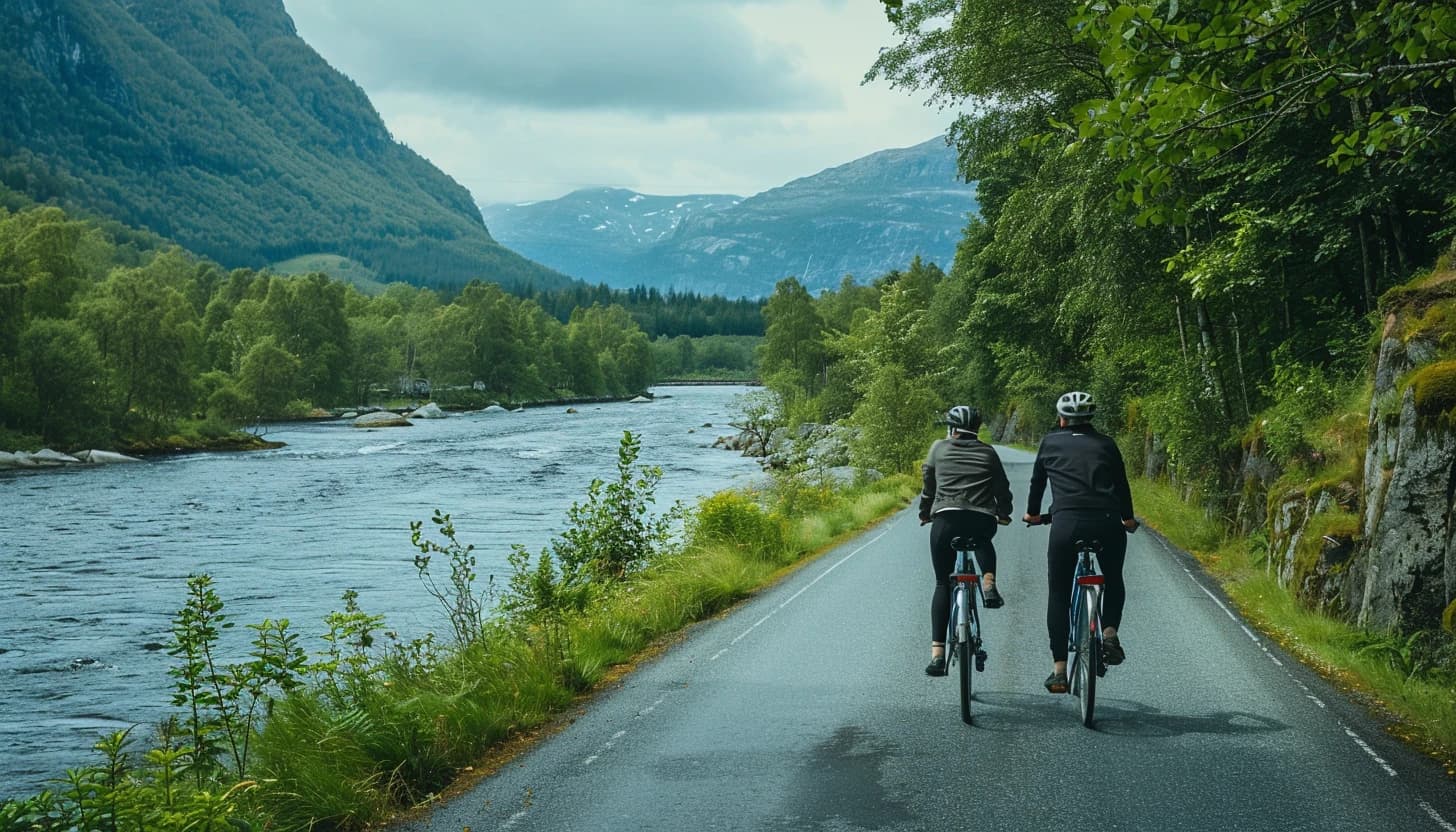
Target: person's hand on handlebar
1130	524
1003	520
1036	519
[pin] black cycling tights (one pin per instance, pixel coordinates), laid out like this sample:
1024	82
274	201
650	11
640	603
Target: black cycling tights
945	527
1067	528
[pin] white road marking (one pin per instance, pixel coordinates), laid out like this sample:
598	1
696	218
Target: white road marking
514	819
650	708
741	636
1368	750
1436	816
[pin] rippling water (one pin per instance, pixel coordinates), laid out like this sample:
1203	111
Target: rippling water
95	561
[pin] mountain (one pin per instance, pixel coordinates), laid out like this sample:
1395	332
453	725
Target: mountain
599	234
863	218
212	123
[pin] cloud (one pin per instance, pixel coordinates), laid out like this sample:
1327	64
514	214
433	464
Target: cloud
536	99
670	56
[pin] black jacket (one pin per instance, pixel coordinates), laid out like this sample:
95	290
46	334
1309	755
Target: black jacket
964	473
1086	471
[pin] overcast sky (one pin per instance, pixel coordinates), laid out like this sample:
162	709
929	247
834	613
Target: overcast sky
530	99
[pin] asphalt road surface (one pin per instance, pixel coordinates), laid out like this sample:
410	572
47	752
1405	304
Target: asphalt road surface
808	708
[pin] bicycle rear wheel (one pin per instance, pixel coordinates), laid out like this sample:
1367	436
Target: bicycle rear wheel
969	637
1089	649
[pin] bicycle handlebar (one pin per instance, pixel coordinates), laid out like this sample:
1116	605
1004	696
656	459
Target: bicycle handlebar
1046	520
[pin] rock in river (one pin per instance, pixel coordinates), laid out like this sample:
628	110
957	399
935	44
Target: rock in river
429	411
381	419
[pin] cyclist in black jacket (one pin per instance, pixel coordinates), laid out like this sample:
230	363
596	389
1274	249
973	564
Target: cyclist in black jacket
1091	501
964	493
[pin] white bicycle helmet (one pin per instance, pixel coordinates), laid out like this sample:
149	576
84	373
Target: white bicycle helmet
964	418
1076	406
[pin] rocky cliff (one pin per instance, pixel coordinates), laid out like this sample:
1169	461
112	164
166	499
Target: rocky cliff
1379	546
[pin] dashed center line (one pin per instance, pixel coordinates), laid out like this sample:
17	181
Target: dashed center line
803	590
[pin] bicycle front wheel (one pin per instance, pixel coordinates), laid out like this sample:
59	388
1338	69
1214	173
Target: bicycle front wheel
1089	650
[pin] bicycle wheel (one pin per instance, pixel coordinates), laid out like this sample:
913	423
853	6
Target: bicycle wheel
967	645
1088	656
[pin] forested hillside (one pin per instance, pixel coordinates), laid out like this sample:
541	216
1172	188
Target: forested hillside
213	124
1205	213
110	335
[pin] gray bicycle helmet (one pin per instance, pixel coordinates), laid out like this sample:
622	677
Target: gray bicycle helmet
1076	406
963	417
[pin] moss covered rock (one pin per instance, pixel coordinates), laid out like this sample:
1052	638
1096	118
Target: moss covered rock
1435	388
1448	618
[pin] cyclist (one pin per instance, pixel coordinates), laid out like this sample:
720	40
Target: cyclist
965	494
1091	501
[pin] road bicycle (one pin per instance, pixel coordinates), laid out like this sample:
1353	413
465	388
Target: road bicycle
963	645
1084	633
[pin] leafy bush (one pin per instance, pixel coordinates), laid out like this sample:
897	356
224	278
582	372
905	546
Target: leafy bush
733	518
1303	394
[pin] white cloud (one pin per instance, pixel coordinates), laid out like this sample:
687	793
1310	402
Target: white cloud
531	100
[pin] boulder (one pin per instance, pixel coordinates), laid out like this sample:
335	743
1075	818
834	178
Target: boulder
519	410
571	410
382	419
46	456
495	408
351	414
9	460
640	400
429	411
96	457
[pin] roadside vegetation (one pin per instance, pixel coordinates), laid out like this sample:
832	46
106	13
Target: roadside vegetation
349	730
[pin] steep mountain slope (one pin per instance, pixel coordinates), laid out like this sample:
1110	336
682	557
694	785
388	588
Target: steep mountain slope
862	218
598	234
211	122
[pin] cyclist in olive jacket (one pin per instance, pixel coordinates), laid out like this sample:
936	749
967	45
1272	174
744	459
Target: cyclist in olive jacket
1092	501
965	494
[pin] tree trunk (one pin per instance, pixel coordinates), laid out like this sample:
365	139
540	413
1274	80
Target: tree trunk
1182	337
1397	234
1210	362
1239	360
1367	277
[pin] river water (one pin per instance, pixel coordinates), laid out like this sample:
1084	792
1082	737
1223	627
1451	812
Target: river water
95	561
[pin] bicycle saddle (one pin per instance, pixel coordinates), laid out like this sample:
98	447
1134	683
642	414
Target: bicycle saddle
963	544
1094	545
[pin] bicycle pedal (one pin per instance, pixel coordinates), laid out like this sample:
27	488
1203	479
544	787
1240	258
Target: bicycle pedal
981	660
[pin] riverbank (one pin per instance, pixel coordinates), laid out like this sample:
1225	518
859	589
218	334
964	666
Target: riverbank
1385	671
427	713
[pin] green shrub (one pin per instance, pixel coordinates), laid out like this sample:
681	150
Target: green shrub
733	518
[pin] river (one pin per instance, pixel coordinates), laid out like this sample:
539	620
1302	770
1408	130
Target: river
96	560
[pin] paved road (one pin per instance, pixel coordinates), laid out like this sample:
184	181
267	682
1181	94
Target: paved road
808	709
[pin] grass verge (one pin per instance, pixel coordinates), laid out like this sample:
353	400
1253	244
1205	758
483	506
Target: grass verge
1386	671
